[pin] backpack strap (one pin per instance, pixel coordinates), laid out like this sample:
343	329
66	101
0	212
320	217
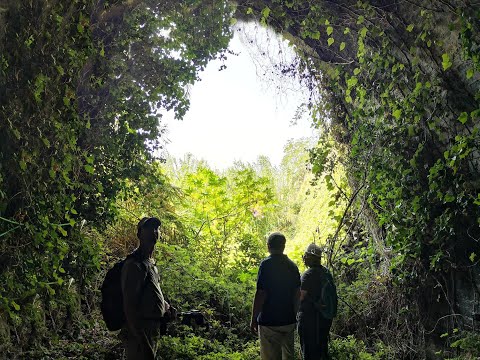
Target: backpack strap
133	256
323	277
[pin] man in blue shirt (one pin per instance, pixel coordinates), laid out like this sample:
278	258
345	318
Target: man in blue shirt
276	302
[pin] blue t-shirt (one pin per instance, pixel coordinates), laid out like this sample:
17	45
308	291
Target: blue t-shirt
279	277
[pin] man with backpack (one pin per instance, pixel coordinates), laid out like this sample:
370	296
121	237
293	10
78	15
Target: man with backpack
276	302
143	302
318	306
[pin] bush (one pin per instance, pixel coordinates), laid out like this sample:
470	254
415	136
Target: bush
350	348
195	347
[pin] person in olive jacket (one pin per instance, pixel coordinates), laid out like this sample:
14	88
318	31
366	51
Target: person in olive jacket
318	306
143	301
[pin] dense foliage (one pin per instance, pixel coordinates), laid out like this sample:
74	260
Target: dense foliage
81	83
401	84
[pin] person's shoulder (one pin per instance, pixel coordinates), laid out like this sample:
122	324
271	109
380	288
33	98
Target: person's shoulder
309	272
290	262
266	261
134	263
325	270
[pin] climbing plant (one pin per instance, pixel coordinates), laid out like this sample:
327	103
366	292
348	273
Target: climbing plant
81	87
400	111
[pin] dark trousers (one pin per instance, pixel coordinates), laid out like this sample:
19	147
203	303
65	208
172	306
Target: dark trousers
143	347
313	330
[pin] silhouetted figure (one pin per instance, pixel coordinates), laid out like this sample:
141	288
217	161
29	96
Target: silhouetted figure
276	302
143	301
318	306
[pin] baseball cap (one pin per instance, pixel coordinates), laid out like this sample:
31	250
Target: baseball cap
314	249
150	221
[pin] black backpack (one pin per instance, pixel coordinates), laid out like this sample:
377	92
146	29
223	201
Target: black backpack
112	297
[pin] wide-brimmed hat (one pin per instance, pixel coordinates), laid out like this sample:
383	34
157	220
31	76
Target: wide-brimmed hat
314	250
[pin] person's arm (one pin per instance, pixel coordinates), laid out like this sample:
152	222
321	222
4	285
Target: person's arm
297	293
296	299
303	295
306	283
132	286
258	301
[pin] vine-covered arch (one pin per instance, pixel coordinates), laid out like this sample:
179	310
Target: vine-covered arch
400	82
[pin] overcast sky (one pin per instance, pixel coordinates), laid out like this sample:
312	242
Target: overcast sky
238	113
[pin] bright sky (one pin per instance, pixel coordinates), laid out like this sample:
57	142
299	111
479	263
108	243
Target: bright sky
237	113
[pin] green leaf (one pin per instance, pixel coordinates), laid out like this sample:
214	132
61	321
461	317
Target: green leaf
342	46
15	306
355	139
46	142
266	12
363	32
361	19
444	335
446	62
233	21
397	113
356	71
410	27
329	30
449	197
411	131
470	73
16	133
346	31
463	118
249	11
89	168
472	257
330	41
352	82
23	165
62	231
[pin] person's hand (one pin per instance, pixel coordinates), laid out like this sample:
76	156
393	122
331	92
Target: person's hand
170	312
254	325
173	312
